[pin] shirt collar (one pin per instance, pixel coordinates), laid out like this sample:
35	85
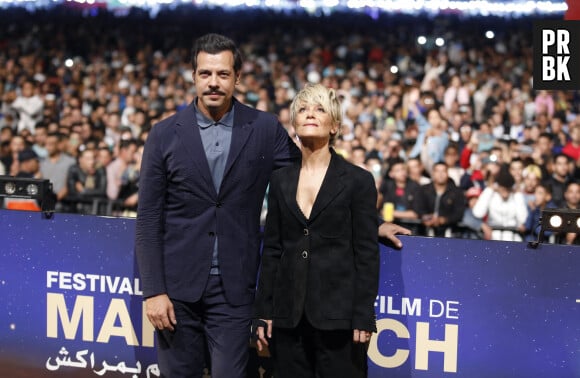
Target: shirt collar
205	122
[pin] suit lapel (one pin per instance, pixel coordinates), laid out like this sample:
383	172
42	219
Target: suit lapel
331	186
188	132
289	187
241	132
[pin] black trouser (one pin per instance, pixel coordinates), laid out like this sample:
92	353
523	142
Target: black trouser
307	352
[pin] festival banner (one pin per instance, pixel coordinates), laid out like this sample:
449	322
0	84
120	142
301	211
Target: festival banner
71	305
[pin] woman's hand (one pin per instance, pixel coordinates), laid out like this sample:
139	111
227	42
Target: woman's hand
263	332
360	336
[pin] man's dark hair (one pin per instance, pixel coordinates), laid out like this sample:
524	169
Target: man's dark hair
125	143
570	183
214	44
560	154
56	134
391	162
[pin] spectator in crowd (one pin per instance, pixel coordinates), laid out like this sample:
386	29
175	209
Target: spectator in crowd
559	134
115	170
432	138
516	169
544	103
86	184
56	165
104	156
417	171
542	153
571	201
572	148
440	204
28	106
39	140
10	160
29	164
451	158
358	156
542	200
532	177
129	191
474	228
504	210
559	178
400	190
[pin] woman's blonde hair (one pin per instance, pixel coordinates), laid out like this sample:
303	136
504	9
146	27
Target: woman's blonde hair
320	95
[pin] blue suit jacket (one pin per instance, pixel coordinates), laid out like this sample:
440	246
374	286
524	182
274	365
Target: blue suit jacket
180	214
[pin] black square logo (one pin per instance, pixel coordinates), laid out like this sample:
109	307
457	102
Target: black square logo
557	55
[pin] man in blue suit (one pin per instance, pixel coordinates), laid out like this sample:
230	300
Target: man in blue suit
203	178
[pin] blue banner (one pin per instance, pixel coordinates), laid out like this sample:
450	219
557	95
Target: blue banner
71	305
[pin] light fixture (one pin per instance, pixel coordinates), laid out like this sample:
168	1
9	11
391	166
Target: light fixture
559	221
29	188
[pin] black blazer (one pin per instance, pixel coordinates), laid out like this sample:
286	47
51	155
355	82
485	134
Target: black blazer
327	266
180	213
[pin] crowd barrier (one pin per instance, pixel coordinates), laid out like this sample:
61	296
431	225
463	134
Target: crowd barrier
70	305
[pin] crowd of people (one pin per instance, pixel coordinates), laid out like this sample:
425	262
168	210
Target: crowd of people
459	142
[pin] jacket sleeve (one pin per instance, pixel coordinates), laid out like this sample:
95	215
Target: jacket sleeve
150	217
285	150
521	209
366	254
458	207
271	255
482	205
420	205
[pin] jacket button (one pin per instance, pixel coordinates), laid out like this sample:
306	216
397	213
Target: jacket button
211	233
219	204
304	254
306	231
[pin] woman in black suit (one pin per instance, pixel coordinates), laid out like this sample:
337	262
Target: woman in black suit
320	262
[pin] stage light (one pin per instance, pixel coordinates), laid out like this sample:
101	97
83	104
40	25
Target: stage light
29	188
10	188
555	221
559	221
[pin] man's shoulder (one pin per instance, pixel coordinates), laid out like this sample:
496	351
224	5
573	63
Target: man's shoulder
184	115
247	113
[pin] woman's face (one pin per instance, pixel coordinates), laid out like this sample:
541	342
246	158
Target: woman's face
312	121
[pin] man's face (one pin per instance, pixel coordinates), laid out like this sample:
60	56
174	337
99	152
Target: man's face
399	172
440	175
572	195
544	145
129	153
561	166
215	81
30	166
87	161
51	145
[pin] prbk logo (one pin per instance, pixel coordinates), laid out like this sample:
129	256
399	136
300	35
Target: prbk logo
557	55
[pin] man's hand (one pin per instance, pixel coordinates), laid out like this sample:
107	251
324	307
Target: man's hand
159	310
390	230
262	333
